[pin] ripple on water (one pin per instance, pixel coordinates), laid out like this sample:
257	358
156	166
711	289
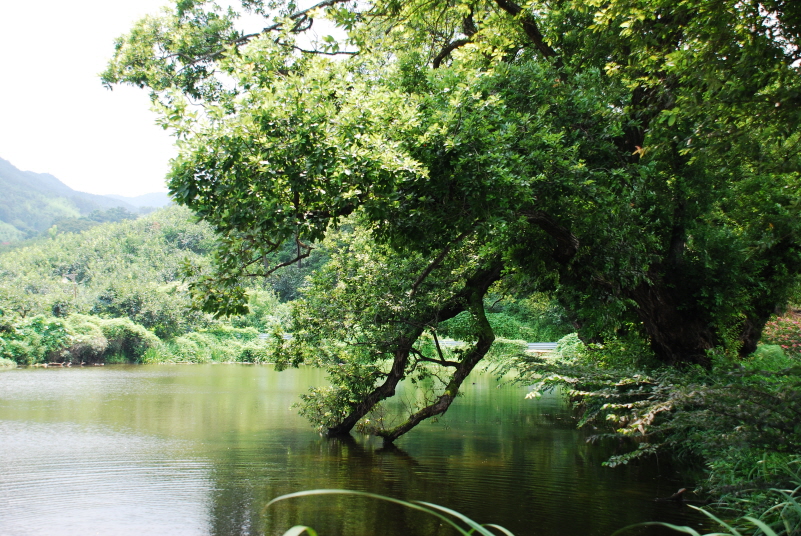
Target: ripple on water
72	479
201	450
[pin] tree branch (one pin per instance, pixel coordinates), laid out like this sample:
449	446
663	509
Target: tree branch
325	53
443	362
475	288
298	258
486	337
436	342
436	262
446	50
298	16
529	26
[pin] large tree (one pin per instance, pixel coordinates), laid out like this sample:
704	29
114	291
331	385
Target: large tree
639	158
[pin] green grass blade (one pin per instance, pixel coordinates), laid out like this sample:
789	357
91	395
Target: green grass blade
414	506
469	522
677	528
761	524
297	530
500	529
791	499
714	518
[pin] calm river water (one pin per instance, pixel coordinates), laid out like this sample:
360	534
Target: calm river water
195	450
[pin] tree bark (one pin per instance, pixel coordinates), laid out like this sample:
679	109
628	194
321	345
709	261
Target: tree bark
476	286
679	335
477	352
383	391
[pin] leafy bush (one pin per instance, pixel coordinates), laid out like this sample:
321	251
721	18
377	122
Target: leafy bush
160	308
220	343
87	342
127	339
769	357
75	339
33	340
569	347
735	417
267	313
503	350
540	313
785	332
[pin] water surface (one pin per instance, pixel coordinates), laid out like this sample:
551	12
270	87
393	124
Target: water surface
196	450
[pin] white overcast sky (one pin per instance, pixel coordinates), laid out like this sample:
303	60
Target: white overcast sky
56	117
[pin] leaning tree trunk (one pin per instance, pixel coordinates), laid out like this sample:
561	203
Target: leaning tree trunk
383	391
470	298
486	336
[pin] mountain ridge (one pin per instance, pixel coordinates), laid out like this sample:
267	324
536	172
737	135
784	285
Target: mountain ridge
32	202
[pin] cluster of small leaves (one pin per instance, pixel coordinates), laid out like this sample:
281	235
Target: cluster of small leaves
786	332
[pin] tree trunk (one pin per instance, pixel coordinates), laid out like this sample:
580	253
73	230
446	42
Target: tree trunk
679	334
485	339
383	391
475	289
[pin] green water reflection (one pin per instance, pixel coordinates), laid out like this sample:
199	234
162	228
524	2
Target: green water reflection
201	450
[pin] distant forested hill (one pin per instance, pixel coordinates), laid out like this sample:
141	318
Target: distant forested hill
31	202
129	268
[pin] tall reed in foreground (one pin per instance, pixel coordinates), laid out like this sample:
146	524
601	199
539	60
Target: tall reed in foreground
458	521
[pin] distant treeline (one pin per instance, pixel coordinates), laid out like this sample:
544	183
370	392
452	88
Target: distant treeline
69	284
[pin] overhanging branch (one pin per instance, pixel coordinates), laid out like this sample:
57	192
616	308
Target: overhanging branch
436	262
442	362
298	258
529	26
446	50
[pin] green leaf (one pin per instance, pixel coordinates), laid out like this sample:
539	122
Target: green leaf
297	530
677	528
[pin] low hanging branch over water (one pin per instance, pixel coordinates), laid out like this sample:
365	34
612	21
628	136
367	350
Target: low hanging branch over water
470	298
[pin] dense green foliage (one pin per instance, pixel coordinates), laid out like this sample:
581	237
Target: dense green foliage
116	292
607	150
129	269
75	339
87	339
531	318
638	160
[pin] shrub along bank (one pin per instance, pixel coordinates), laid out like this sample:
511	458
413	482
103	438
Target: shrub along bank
85	339
741	419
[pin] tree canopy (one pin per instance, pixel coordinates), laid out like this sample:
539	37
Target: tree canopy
637	158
